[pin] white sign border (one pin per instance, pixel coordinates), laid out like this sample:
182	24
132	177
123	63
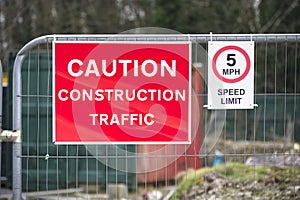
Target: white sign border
189	141
213	79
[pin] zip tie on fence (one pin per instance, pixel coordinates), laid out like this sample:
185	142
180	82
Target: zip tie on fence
210	36
47	156
189	37
10	136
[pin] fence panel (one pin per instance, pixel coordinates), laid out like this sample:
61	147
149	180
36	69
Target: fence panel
237	154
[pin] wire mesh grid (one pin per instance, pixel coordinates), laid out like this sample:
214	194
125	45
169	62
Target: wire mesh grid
240	154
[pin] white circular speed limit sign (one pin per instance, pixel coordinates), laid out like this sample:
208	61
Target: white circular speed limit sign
231	64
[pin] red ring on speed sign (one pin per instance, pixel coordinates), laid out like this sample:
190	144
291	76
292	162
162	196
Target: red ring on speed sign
227	79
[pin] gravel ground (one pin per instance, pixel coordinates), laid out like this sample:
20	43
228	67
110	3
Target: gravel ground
217	187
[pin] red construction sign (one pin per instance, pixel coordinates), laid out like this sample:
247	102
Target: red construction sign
120	92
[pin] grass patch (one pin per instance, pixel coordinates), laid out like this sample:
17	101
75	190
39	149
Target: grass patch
237	172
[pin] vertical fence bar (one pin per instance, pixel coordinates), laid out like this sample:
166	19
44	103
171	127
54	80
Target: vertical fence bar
1	92
17	125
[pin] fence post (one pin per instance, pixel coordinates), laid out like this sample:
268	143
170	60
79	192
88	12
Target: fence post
1	93
17	124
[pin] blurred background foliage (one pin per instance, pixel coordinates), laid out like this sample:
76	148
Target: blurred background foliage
23	20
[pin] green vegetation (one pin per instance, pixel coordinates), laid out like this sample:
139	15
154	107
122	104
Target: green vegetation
23	20
239	174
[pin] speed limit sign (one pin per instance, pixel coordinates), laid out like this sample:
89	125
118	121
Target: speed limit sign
230	74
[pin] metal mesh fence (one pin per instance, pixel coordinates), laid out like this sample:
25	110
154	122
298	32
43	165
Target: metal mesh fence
238	154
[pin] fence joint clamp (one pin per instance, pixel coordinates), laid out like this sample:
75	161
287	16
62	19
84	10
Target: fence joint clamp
10	136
